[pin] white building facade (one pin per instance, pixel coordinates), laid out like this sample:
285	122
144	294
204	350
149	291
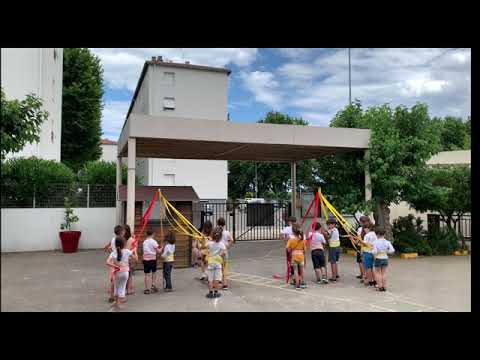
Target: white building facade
109	150
38	71
186	91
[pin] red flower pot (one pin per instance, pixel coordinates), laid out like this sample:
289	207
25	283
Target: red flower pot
70	240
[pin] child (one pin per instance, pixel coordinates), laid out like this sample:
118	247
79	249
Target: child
381	249
216	255
119	261
168	259
119	231
296	247
207	233
334	248
285	234
228	241
150	251
318	254
361	233
367	260
129	238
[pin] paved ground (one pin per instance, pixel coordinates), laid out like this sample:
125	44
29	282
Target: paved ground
53	281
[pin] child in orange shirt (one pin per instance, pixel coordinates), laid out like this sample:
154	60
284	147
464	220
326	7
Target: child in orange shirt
296	246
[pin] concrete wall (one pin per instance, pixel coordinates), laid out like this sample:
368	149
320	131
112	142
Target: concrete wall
38	71
198	95
37	229
109	152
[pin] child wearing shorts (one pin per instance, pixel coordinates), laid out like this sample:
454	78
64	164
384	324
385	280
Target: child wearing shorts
285	234
318	254
334	248
296	248
381	248
367	259
119	261
150	251
216	255
228	241
361	233
168	253
203	247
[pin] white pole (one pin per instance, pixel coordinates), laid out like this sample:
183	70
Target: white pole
118	205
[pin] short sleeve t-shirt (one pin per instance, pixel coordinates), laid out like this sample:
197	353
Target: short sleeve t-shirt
317	241
225	239
112	244
298	248
369	239
287	232
214	252
123	263
381	248
150	249
168	252
334	239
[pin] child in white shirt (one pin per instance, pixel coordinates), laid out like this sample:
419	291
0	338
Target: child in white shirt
317	242
119	261
215	258
168	260
286	234
381	249
334	248
150	251
368	258
228	241
119	231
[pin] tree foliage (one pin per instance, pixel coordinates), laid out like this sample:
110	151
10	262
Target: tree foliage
455	133
273	178
21	122
81	107
101	172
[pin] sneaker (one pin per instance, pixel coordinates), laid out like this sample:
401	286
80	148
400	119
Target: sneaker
319	281
325	281
225	287
371	283
210	295
332	280
359	276
154	289
303	285
216	295
298	288
338	277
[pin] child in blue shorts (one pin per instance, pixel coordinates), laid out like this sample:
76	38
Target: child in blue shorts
368	258
334	248
381	249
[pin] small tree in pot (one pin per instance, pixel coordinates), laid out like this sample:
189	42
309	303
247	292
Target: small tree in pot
68	237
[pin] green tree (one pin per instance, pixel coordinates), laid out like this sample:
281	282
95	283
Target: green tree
101	173
273	178
454	133
444	189
401	141
21	122
81	107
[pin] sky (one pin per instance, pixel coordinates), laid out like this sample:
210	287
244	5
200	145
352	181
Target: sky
304	82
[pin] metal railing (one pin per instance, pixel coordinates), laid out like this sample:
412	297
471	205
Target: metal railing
463	226
53	195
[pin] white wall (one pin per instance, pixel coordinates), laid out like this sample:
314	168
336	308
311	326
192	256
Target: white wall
38	71
199	95
37	229
109	152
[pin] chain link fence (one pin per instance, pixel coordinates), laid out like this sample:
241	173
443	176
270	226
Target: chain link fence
15	195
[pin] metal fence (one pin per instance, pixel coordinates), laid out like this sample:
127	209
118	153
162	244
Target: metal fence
463	226
254	221
53	195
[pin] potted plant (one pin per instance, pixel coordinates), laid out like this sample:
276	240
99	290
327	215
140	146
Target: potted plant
68	237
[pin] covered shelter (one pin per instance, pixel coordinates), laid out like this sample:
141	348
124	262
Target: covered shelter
147	136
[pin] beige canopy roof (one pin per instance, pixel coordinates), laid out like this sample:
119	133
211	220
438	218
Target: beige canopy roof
183	138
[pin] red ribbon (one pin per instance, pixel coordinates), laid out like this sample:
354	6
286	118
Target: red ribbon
145	219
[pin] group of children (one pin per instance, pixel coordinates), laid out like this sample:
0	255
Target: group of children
372	256
212	256
123	257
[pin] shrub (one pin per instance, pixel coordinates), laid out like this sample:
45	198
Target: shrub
22	176
409	235
443	241
101	172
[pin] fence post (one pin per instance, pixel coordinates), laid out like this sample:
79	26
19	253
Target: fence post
34	196
233	222
88	195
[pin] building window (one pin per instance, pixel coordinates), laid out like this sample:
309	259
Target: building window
168	103
169	78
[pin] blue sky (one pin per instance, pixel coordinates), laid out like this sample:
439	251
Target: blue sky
310	83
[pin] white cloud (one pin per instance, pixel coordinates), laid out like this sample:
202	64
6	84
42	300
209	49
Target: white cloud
113	117
122	67
264	87
295	53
